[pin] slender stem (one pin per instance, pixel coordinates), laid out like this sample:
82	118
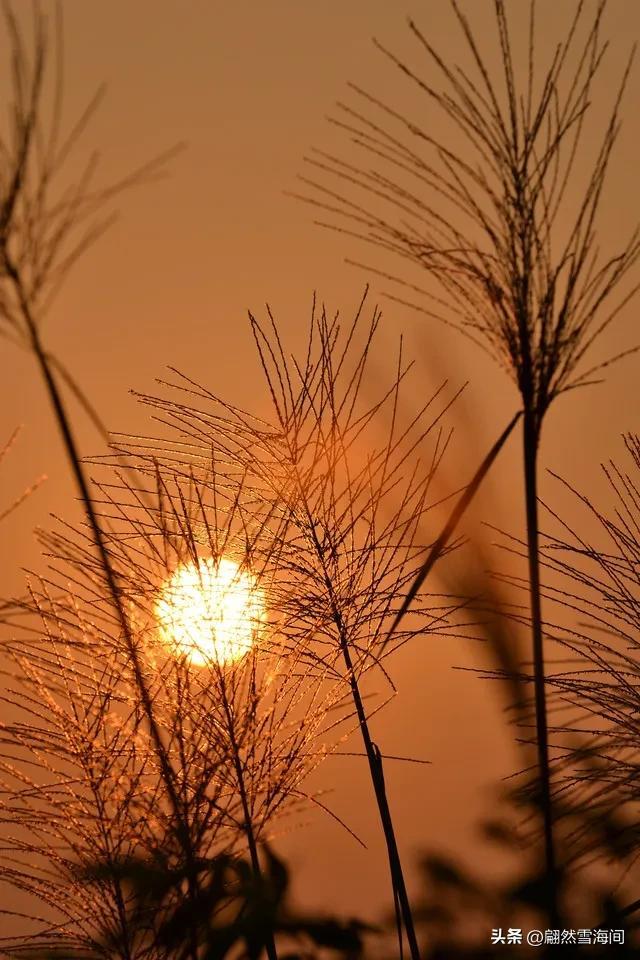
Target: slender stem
531	441
374	758
620	914
110	577
270	944
98	536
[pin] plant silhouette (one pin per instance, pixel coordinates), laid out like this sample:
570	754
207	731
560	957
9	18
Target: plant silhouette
487	220
223	619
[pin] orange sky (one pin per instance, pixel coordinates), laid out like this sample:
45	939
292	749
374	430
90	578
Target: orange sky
247	85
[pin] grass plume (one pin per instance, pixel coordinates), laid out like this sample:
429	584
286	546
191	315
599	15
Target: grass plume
487	221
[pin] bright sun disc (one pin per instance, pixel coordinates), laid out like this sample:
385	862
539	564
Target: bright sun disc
210	611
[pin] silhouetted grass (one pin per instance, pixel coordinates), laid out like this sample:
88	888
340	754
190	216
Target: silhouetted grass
484	220
80	772
139	789
346	480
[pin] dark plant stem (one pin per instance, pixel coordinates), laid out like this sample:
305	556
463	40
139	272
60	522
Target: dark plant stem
376	769
73	457
449	528
270	945
620	914
531	437
374	758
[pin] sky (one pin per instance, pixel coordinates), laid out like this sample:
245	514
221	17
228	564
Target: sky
246	87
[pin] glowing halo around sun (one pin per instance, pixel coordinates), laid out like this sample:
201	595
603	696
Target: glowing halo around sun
210	612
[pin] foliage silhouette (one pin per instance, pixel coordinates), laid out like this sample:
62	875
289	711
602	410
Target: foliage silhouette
460	908
236	913
596	843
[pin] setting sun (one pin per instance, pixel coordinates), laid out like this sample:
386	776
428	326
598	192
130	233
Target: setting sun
210	611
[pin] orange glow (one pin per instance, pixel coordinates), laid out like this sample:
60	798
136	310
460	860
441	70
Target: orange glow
210	611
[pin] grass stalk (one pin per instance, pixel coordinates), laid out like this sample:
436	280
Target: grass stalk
374	759
73	456
247	826
531	438
402	904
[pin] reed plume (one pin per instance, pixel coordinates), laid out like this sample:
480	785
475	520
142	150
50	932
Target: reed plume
350	478
83	788
498	225
594	575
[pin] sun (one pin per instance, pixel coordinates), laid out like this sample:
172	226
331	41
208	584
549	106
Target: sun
210	611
